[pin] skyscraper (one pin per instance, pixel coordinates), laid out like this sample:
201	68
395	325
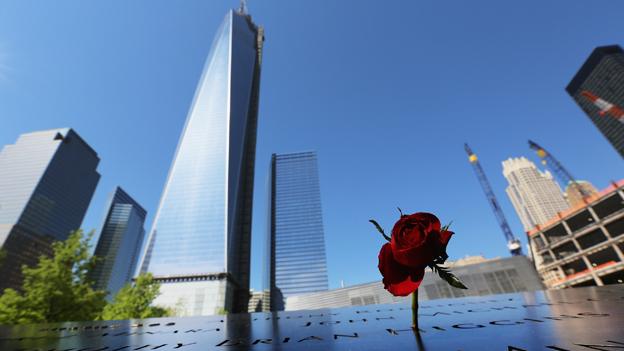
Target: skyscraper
296	262
47	179
598	88
199	246
573	193
535	195
120	241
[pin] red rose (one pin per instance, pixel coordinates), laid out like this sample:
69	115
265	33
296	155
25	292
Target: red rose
417	239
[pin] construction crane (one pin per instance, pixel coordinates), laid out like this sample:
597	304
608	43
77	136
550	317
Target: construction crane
513	244
560	172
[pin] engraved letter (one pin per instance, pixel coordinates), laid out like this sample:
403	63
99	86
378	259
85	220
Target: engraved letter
468	326
311	338
355	335
502	322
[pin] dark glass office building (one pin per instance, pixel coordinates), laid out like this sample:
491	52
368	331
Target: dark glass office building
47	179
199	245
598	88
120	242
296	263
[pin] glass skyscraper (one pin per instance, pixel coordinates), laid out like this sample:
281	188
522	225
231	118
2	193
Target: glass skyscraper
602	77
199	245
296	262
47	179
120	242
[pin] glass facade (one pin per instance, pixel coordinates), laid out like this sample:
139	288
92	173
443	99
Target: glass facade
47	179
203	224
119	244
296	263
602	75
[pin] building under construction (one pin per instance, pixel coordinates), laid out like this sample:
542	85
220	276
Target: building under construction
584	245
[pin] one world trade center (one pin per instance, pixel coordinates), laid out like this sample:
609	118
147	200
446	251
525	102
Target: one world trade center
199	245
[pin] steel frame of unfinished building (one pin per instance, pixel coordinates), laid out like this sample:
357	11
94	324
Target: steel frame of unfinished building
583	246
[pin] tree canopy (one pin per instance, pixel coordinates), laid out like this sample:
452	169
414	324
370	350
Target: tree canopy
134	301
56	289
59	289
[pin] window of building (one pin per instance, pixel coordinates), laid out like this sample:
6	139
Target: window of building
515	280
492	283
588	282
592	238
608	206
580	221
546	258
538	242
504	282
613	278
555	233
356	301
603	257
615	228
565	250
574	267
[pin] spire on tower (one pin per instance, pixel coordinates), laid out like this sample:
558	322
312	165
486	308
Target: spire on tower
243	7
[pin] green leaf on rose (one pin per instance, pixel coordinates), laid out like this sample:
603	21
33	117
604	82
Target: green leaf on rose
447	276
379	229
446	227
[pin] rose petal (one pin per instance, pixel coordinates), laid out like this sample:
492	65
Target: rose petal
392	271
416	239
399	225
417	276
432	222
403	288
415	257
445	237
398	279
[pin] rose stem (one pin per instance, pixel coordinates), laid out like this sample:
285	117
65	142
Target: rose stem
415	310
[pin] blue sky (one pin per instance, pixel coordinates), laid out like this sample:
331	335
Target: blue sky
387	92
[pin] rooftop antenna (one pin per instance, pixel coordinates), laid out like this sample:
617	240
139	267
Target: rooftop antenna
243	7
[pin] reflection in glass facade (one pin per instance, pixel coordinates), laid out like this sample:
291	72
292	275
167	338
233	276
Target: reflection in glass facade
602	74
47	179
296	262
119	243
199	244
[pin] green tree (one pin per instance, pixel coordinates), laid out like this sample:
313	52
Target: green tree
57	289
14	310
134	301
